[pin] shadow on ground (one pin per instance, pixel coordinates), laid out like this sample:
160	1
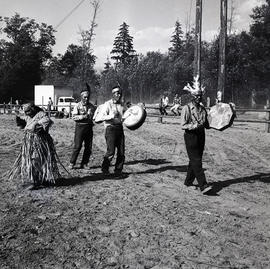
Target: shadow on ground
219	185
93	177
178	168
100	176
145	161
149	161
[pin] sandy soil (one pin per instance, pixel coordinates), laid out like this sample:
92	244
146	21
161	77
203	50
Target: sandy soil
146	218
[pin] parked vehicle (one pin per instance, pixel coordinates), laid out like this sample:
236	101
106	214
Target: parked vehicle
61	98
65	103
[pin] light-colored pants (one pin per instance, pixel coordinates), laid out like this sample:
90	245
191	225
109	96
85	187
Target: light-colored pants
175	108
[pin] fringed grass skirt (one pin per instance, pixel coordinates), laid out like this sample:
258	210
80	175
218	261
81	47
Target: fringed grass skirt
37	161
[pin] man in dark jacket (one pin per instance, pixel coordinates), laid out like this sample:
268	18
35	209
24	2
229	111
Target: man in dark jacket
82	114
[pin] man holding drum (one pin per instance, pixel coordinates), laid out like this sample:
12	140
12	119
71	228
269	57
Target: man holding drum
114	134
194	121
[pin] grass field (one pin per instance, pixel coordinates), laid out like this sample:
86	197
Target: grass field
146	218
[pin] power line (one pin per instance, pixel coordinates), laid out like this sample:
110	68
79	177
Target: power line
62	21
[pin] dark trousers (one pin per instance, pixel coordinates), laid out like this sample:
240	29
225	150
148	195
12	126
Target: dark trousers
115	139
195	141
83	134
162	110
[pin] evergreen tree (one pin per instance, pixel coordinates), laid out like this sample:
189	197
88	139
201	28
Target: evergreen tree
188	47
107	66
176	49
123	51
259	55
260	27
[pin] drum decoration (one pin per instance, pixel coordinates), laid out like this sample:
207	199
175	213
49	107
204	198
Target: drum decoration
221	116
98	114
134	117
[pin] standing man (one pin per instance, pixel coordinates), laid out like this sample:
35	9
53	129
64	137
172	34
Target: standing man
219	97
164	103
50	104
194	121
176	105
114	134
82	114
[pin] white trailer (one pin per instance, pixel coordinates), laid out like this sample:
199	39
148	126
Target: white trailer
42	94
61	97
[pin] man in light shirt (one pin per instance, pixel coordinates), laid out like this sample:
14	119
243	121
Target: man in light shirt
164	103
112	115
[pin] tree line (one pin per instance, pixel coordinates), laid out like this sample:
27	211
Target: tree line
26	59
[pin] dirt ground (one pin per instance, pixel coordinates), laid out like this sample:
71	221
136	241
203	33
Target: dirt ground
146	218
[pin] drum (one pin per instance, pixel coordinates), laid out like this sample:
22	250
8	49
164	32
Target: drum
98	114
134	117
221	116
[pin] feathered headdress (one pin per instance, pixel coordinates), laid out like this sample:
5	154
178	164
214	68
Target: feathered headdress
27	106
195	89
87	89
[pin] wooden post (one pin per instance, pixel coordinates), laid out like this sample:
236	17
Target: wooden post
267	125
208	102
267	103
222	48
70	110
49	111
9	108
160	118
253	98
198	35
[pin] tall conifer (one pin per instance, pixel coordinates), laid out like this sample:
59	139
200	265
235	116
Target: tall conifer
123	51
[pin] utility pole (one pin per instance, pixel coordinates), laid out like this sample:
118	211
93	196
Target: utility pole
231	19
222	48
198	37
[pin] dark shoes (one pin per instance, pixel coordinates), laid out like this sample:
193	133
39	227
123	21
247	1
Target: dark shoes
82	166
189	182
34	186
190	186
85	166
206	188
118	172
105	172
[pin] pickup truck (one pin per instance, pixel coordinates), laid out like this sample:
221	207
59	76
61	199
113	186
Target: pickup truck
64	103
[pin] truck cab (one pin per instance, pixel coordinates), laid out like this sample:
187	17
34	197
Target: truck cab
65	103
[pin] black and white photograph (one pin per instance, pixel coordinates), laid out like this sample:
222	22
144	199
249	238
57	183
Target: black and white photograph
135	134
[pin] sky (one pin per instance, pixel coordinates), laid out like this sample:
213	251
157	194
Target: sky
151	22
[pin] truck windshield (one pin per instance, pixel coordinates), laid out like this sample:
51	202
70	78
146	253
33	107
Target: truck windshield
69	100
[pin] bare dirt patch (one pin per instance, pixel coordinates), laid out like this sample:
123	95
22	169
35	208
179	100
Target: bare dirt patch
146	218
